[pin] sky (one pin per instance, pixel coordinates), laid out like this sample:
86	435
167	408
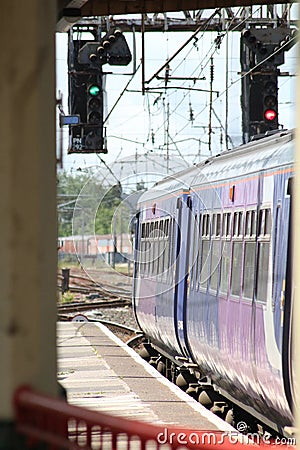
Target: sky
142	125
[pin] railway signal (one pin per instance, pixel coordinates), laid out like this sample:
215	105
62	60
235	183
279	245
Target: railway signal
112	49
94	106
86	59
270	102
262	51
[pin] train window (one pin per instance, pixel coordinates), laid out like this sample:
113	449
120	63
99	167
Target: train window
265	226
204	251
218	225
261	222
206	225
237	253
148	256
253	223
226	225
215	251
166	229
141	253
155	258
249	269
166	256
151	252
165	249
156	228
204	220
143	257
238	224
198	250
161	227
204	272
157	247
193	251
150	233
214	223
160	262
250	227
263	271
172	251
225	265
214	267
248	223
162	247
143	230
267	221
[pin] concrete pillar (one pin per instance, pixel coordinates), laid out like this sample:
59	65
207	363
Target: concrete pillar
27	202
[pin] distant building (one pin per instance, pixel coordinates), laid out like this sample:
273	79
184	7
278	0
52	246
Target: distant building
96	246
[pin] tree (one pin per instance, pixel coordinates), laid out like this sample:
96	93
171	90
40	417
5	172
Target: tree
69	187
82	197
105	213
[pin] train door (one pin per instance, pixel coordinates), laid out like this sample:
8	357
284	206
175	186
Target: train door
287	357
137	264
184	204
273	240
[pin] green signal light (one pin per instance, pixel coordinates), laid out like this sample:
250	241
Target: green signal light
94	90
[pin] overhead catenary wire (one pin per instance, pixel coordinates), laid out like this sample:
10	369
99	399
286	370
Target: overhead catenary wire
121	95
204	64
236	81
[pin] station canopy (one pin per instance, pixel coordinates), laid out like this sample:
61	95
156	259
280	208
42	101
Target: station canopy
74	9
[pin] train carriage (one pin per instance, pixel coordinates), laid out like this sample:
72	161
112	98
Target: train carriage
213	277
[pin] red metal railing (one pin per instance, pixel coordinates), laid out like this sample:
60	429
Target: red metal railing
43	419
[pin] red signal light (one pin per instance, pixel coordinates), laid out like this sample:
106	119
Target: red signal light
270	114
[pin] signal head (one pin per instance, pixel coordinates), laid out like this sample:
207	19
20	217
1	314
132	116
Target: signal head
93	57
270	115
112	38
100	50
94	118
94	90
270	101
117	32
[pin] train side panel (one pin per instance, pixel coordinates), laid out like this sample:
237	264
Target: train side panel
234	260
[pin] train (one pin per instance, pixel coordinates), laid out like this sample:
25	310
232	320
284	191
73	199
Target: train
212	285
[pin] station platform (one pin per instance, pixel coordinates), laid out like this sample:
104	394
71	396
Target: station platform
101	373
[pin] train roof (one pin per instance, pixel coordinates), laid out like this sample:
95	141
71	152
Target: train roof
263	154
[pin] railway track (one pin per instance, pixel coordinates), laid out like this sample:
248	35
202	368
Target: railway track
75	307
111	301
78	283
201	392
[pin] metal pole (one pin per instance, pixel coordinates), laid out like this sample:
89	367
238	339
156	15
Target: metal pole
143	54
82	235
226	96
210	103
296	269
65	281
